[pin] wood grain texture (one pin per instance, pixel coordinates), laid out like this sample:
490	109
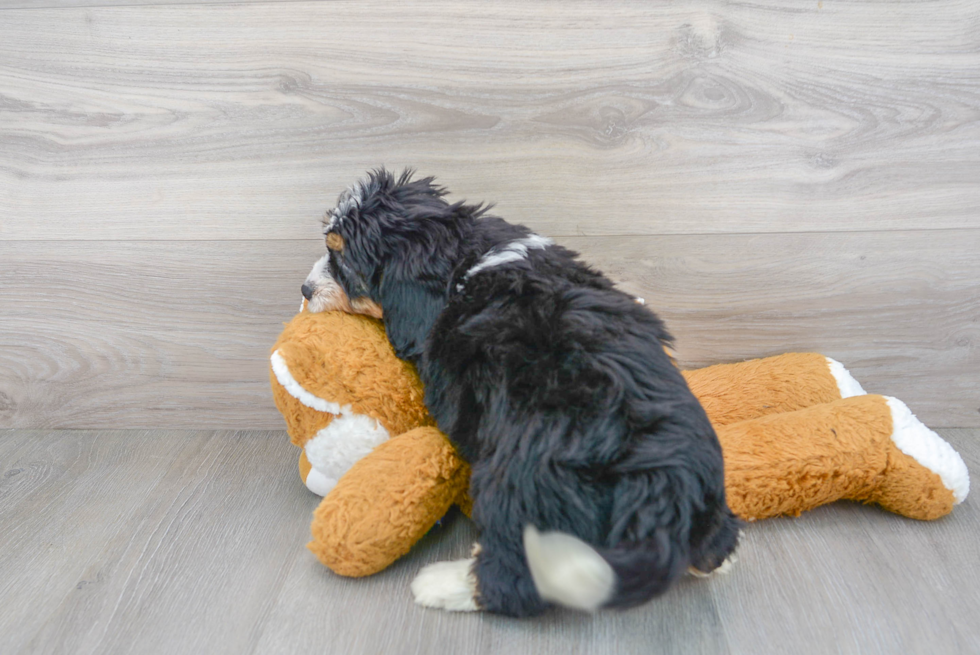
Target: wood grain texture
148	542
159	334
772	176
192	542
900	310
240	121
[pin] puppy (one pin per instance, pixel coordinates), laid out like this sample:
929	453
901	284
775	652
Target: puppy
597	479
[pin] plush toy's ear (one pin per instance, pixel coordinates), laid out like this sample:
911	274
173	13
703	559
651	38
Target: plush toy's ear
410	309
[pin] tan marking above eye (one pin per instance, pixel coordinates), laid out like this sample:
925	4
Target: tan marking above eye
335	241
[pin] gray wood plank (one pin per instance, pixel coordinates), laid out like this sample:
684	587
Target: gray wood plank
688	623
145	334
69	4
176	335
217	121
190	542
67	498
901	311
166	543
853	579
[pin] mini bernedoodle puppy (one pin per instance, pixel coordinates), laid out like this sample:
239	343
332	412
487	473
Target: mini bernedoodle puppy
597	479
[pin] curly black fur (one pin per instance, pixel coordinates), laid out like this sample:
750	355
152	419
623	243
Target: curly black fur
553	384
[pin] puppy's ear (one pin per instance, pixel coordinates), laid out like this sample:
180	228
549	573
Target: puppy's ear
410	310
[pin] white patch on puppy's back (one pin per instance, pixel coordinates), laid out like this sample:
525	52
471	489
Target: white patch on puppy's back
509	252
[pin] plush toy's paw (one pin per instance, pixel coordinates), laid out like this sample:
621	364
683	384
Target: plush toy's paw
909	485
846	384
318	483
447	585
867	448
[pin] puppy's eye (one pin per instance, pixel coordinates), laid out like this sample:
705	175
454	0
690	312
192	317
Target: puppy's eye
335	241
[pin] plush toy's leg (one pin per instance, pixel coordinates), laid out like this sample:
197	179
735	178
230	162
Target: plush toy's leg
387	502
865	448
759	387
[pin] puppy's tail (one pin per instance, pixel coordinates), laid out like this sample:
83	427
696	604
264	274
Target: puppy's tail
570	572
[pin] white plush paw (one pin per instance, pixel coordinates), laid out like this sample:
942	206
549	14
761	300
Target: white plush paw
319	483
336	448
846	384
930	450
447	585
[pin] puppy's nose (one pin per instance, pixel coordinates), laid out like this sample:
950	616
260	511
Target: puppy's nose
307	292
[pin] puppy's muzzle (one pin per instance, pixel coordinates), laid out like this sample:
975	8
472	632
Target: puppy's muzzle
324	294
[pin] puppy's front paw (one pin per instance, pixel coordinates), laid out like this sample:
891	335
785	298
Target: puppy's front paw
447	585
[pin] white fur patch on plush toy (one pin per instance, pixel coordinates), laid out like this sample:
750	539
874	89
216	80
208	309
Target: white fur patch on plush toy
846	383
336	448
289	383
929	449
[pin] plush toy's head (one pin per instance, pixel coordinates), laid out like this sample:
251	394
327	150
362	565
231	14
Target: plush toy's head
342	366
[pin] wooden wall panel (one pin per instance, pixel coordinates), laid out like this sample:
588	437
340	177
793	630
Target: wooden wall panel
774	176
236	121
177	334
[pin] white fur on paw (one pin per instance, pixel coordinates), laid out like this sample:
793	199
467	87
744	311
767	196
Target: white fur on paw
447	585
723	568
929	449
726	566
846	383
336	448
319	484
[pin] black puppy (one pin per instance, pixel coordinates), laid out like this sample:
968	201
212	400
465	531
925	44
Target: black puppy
555	387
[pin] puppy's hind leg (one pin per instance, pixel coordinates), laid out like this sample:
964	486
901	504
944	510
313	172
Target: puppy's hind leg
504	582
496	579
713	547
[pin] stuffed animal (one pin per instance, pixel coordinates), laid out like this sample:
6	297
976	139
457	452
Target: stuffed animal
796	430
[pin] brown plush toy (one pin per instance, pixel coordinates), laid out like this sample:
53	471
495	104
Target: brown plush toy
796	430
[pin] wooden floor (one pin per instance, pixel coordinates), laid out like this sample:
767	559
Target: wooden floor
193	542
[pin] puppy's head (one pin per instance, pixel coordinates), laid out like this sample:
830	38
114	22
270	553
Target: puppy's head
391	244
323	293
